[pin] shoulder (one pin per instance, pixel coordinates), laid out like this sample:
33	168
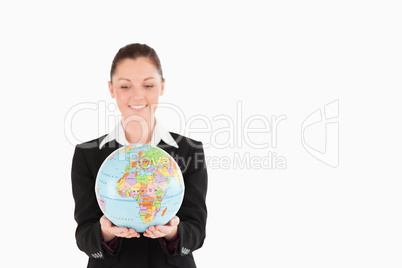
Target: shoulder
186	142
90	149
190	153
92	144
88	156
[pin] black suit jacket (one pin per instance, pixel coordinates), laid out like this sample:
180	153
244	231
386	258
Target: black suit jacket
140	252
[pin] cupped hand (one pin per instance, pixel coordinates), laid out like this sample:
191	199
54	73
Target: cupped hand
110	231
167	231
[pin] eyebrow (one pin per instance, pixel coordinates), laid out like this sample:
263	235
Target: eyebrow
130	80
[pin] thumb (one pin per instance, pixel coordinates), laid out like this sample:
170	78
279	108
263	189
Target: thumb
106	221
175	221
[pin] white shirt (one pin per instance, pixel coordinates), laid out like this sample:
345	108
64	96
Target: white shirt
159	133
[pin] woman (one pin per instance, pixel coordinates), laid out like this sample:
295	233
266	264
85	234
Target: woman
136	82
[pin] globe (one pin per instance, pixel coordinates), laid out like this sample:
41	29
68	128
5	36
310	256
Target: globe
139	186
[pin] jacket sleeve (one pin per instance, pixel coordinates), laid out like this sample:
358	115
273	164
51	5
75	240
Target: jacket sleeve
193	211
87	212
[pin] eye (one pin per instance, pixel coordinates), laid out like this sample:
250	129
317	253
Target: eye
149	86
124	87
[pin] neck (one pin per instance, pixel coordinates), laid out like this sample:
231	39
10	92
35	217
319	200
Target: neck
138	131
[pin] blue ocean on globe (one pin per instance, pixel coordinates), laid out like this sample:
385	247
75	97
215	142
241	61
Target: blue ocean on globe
139	186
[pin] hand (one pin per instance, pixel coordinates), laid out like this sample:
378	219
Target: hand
167	231
110	231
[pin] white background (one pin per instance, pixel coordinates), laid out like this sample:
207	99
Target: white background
278	58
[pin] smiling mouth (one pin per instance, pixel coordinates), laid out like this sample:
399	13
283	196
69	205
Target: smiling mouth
138	108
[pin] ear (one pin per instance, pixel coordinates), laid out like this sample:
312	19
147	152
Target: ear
162	87
111	89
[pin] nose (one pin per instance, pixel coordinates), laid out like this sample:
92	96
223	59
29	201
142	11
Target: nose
137	94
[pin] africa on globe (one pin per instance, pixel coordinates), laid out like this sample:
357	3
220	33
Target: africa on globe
139	186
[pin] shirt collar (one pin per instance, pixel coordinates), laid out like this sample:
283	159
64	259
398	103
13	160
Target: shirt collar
159	133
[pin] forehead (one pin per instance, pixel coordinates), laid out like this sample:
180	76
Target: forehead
139	68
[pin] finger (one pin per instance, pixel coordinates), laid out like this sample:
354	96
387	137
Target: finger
151	232
126	234
119	231
164	229
130	236
133	233
148	233
123	232
158	233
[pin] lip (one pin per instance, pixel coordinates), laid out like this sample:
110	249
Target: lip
138	110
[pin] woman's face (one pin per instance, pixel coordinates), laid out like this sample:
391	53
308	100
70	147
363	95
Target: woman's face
136	85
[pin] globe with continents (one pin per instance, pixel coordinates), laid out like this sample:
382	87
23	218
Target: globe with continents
138	186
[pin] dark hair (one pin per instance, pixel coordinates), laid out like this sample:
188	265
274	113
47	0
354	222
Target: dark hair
134	51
